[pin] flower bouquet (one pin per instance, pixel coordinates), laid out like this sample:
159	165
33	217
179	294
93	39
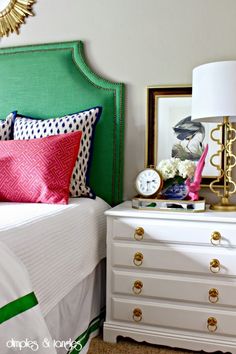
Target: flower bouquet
174	173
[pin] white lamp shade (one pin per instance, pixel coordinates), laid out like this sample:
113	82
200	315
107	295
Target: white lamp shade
214	91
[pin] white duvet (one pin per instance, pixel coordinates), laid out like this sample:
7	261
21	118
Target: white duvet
58	244
25	331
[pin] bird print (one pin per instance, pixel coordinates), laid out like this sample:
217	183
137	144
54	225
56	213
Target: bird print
189	136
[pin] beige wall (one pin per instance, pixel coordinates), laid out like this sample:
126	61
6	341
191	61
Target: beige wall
140	43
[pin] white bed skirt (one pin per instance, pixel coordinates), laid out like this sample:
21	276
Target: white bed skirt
78	316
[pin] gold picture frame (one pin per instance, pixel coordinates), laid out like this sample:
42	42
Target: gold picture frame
167	108
13	15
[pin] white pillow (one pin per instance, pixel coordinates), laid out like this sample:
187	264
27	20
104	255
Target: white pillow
85	121
6	127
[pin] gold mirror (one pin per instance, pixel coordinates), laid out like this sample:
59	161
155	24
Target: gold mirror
12	15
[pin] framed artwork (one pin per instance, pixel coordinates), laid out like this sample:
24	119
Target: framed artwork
171	132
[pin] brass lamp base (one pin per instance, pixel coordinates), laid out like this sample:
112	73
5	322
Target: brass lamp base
224	153
222	207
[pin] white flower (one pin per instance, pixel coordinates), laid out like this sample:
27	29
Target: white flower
175	167
186	168
175	162
167	168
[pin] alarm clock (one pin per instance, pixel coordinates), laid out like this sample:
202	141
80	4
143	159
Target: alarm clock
148	182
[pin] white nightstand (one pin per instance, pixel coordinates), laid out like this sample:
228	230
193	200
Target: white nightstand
171	278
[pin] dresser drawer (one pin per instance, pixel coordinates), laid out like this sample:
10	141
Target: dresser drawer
174	258
172	316
174	231
171	278
181	288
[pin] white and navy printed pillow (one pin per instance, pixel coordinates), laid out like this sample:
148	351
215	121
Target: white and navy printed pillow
30	128
6	127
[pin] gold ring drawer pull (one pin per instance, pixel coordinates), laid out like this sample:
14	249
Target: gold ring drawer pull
137	287
215	238
138	234
212	324
213	295
214	265
137	315
138	259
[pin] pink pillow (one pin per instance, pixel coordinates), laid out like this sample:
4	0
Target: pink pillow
38	170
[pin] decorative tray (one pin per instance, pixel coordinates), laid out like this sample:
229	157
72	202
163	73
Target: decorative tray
169	205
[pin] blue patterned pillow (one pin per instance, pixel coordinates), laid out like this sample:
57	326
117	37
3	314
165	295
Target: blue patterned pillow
6	127
31	128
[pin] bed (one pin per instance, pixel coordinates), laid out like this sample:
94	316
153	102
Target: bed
60	249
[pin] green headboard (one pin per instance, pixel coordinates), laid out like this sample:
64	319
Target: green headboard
51	80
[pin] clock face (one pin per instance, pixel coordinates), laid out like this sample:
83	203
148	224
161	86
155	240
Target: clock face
148	182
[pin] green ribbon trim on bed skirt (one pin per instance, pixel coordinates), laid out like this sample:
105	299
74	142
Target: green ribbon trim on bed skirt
84	337
18	306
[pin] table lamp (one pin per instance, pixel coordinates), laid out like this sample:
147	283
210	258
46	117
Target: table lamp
214	100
